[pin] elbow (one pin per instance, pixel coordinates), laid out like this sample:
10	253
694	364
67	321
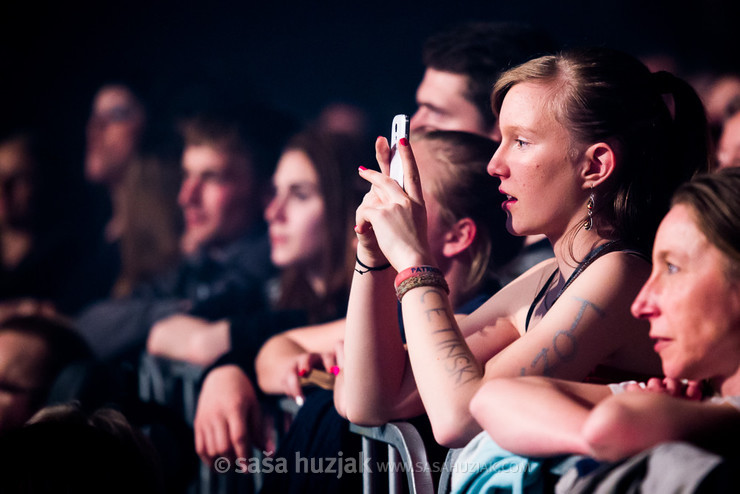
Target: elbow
611	432
362	415
454	428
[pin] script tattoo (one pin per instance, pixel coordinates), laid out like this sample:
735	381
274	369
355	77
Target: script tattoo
564	343
458	361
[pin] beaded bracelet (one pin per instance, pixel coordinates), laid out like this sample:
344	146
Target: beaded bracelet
414	270
428	278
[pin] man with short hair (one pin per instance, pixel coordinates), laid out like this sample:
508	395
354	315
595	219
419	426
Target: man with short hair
225	245
462	65
34	350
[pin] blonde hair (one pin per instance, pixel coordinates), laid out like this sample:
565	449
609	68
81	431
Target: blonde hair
601	95
715	203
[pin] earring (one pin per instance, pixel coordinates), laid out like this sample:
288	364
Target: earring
589	223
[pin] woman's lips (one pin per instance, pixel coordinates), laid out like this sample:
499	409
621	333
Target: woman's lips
510	200
277	239
660	344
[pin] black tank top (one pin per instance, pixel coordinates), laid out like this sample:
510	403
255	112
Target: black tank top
611	246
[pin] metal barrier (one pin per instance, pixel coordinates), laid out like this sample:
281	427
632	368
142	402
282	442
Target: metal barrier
176	385
405	447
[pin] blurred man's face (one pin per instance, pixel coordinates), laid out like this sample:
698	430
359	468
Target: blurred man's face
16	184
728	153
22	358
443	106
216	197
114	129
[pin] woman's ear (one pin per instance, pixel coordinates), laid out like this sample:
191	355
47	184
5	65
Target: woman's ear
459	237
598	164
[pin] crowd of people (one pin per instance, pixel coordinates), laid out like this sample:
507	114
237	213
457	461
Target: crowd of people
556	283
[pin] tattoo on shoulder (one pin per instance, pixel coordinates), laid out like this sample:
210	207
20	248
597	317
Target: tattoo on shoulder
564	347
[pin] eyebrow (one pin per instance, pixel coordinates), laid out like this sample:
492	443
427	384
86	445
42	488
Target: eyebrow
300	185
432	107
517	129
663	255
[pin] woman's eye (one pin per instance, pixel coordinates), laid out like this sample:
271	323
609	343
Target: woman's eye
520	143
671	268
301	196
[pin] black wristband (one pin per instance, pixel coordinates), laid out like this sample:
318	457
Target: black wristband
370	268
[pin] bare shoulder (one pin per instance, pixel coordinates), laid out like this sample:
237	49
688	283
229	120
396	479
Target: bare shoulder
512	300
616	272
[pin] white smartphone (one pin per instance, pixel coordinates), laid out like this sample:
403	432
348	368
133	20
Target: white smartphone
399	129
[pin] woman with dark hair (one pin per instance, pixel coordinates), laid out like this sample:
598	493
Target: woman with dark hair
468	241
590	155
308	215
316	269
310	218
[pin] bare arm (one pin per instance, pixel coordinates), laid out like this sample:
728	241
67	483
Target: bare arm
536	416
586	327
628	423
189	338
378	380
285	356
228	419
376	373
589	325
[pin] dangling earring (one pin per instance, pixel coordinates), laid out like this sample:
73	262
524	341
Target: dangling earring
589	223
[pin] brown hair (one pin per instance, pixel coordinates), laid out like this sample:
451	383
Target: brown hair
335	158
480	51
715	203
152	222
601	95
465	190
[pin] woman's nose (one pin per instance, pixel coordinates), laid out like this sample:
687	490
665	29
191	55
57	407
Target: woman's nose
274	209
644	305
495	165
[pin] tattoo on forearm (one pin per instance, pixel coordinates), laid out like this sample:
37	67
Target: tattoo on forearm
457	359
564	343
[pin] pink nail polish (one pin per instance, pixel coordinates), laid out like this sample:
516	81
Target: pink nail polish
403	141
363	168
334	370
302	372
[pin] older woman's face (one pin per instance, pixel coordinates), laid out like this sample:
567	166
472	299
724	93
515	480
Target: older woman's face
692	304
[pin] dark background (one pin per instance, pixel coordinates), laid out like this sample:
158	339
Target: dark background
300	55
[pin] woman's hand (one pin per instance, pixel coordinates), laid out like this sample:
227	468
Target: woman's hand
302	366
391	223
228	417
677	388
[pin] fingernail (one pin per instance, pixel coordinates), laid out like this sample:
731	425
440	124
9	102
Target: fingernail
302	372
403	141
363	168
334	370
